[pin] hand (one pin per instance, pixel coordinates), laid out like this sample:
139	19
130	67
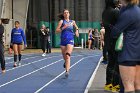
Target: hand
77	33
65	26
43	33
25	46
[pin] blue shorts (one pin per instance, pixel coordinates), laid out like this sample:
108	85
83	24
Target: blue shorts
129	63
65	42
18	43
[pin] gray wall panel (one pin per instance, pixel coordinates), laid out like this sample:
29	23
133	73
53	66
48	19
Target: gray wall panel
81	10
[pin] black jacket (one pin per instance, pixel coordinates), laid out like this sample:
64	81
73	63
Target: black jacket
109	18
44	33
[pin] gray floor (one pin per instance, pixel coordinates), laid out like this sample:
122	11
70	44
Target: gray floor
99	81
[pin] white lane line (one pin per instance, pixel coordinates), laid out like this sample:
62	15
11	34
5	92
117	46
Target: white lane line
29	73
92	77
30	63
22	59
8	58
61	74
32	72
11	57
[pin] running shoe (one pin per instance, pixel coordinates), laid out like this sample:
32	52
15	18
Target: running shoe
116	88
66	74
104	62
108	87
3	71
15	64
44	54
19	63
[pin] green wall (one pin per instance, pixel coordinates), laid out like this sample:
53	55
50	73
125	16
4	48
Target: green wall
55	38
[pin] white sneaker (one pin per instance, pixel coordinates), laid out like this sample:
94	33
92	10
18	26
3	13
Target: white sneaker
15	64
19	63
44	54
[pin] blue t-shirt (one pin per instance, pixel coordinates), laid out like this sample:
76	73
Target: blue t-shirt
90	36
17	36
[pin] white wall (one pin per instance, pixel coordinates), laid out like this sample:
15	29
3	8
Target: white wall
7	33
7	9
1	2
20	9
6	12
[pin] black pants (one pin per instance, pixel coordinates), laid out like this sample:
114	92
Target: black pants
112	72
104	53
96	43
121	86
48	46
2	60
45	45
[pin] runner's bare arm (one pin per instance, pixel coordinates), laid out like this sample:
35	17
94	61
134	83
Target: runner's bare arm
77	29
58	29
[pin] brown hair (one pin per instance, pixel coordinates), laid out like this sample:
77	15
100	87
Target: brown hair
61	16
17	22
133	2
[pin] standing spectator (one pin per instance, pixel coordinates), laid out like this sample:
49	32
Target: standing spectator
102	45
93	46
129	58
102	33
109	17
17	36
48	41
44	33
90	39
2	60
96	38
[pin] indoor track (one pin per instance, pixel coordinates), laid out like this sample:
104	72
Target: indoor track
39	74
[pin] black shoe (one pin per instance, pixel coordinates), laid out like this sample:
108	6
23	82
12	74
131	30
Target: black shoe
104	62
64	65
49	51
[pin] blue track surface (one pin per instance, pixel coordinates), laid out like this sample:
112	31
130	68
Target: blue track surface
46	74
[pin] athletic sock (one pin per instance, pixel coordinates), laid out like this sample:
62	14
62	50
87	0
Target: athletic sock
19	57
15	58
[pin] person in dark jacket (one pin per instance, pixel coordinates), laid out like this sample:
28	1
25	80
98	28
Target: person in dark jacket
2	60
45	40
129	58
109	17
17	36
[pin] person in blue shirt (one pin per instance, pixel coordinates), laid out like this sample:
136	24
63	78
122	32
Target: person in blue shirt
2	60
129	57
90	37
17	37
65	27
